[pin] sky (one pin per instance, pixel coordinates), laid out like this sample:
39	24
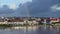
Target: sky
39	8
12	3
45	8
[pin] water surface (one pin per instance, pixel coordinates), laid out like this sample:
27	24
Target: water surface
31	30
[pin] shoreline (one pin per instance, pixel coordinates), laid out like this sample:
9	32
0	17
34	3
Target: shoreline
13	25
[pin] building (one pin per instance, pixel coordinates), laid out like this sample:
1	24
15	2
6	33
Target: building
54	20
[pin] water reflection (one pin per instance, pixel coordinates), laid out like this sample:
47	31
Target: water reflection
42	29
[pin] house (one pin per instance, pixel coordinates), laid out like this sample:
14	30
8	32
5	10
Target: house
54	20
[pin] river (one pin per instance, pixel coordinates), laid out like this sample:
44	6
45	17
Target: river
31	30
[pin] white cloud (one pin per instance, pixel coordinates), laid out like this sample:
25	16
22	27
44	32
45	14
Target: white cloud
58	8
55	8
12	6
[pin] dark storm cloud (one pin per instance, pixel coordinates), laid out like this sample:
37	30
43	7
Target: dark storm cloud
40	8
6	10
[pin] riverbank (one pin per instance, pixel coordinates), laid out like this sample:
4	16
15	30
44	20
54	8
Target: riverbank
13	25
